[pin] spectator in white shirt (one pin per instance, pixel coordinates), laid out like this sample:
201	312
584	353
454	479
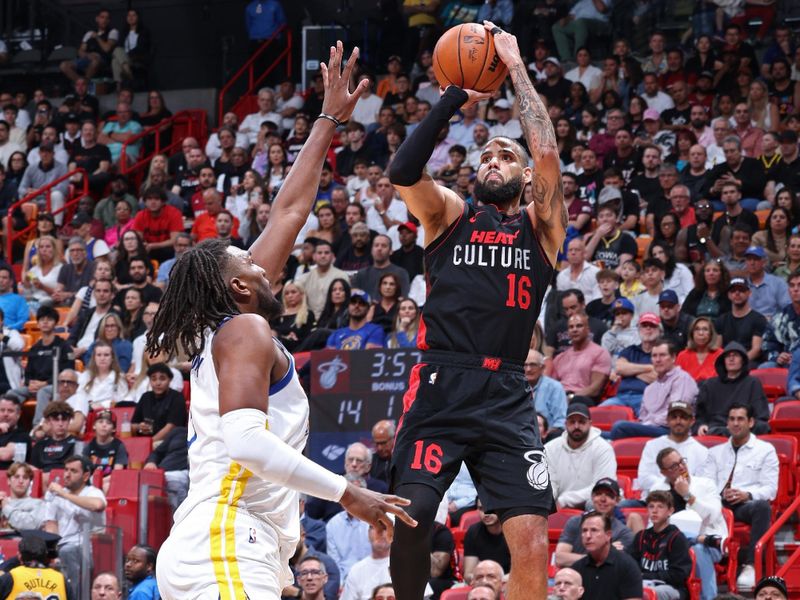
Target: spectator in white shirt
746	471
505	126
585	73
266	112
579	273
371	571
387	211
653	95
368	104
288	103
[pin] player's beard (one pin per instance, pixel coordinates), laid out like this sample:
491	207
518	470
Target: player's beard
268	305
502	195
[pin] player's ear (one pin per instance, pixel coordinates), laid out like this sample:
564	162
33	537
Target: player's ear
527	175
241	293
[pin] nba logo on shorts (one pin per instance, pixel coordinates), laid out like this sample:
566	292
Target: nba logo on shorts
538	477
252	537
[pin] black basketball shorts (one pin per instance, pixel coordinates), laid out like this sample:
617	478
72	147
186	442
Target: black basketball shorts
478	410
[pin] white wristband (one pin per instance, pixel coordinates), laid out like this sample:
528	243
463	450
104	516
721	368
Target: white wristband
257	449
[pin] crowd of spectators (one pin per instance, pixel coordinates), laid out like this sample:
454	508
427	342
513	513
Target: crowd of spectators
681	176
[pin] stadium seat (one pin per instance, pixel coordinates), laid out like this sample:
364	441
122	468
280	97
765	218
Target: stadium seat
626	486
773	381
455	594
786	447
642	244
709	441
648	594
103	556
9	546
604	417
139	449
762	215
469	518
628	452
786	419
123	501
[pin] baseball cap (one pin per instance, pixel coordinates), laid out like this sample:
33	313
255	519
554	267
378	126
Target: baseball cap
788	137
755	251
502	104
608	194
394	58
738	282
71	118
651	318
606	483
47	147
578	408
681	406
622	304
108	415
651	114
707	74
408	225
360	294
772	581
80	218
668	296
554	60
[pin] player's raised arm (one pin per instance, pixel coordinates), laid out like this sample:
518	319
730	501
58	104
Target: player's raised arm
547	210
296	197
434	205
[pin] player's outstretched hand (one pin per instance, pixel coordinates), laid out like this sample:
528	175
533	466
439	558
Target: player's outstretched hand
338	101
474	97
505	44
373	508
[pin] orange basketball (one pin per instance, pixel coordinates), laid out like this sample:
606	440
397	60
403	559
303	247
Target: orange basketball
465	57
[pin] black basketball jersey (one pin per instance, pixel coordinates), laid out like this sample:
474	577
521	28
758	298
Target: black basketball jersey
487	275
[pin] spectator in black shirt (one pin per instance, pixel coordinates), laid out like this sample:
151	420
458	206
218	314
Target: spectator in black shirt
608	282
15	444
745	172
356	133
106	451
555	88
161	410
789	173
50	452
590	181
8	192
137	270
409	255
442	547
172	455
742	324
674	323
646	184
484	540
735	214
94	158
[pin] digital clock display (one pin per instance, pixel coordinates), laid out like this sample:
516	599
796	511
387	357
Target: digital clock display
350	392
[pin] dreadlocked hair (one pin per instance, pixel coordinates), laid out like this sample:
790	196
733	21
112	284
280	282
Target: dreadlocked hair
197	297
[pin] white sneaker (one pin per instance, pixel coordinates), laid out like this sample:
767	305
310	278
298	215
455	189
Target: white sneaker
747	579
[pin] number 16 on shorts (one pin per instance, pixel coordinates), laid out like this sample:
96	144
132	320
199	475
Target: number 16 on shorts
427	456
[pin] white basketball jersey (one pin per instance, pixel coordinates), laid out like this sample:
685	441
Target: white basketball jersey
214	477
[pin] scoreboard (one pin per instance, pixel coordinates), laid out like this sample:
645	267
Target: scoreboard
350	392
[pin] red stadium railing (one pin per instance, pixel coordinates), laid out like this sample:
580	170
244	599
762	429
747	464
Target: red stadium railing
183	124
46	191
244	104
766	555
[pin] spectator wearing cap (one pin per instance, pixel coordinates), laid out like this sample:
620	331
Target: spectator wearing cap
105	451
172	456
555	87
14	309
789	174
583	368
585	19
359	333
387	211
50	452
72	508
654	132
39	174
579	273
548	394
771	587
653	280
768	293
505	126
674	323
608	244
745	470
782	335
623	332
82	226
672	383
161	409
703	522
694	456
634	367
409	255
605	500
578	458
33	574
733	385
743	324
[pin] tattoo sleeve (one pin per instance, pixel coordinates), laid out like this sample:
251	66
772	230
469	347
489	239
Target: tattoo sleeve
540	135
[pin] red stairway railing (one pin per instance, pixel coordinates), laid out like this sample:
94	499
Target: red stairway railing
245	103
766	556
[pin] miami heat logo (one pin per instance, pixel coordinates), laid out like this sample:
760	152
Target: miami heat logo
538	476
329	372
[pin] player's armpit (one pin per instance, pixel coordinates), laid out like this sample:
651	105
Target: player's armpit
244	356
434	205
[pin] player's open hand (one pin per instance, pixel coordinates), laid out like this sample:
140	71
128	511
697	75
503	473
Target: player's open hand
338	101
374	508
505	44
474	97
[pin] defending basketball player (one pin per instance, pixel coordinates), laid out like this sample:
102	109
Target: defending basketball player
238	527
487	269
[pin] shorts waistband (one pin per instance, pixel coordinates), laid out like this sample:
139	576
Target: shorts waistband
472	361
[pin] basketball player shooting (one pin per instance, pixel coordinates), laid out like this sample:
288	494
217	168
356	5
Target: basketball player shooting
238	527
487	270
